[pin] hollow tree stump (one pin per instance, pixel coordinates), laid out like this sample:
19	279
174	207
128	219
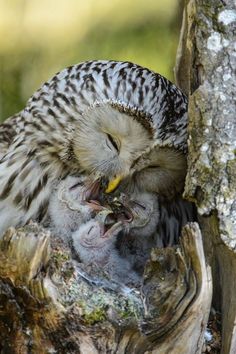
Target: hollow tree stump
50	304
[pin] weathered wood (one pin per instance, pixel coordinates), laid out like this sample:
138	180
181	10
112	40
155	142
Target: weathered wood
205	69
54	306
186	332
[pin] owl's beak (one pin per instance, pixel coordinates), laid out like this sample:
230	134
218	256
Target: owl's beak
113	184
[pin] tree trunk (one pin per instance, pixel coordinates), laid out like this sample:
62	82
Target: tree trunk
205	70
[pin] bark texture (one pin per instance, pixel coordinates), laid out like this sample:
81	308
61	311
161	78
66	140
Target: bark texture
205	70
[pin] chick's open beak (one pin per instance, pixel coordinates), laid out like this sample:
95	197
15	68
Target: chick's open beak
113	184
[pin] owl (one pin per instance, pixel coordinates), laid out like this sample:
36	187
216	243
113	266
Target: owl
97	118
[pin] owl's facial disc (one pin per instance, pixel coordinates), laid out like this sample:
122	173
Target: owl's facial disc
106	142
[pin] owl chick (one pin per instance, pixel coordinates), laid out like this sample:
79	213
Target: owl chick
138	237
144	208
94	245
97	118
67	207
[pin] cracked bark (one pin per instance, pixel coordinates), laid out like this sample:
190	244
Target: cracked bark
205	70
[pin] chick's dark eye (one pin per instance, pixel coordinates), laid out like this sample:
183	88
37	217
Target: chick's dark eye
113	142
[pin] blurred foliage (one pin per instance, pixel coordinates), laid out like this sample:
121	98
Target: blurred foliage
39	38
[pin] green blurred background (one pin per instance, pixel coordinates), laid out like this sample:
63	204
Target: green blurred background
40	37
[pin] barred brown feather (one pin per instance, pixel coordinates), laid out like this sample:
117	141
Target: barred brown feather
97	117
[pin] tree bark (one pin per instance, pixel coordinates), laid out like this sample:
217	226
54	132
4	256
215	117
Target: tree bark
205	70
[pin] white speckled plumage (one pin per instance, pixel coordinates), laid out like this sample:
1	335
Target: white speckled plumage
43	143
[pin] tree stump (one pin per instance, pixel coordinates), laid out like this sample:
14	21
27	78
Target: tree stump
49	304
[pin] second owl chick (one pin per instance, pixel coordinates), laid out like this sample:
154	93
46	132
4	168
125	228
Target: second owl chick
139	236
144	207
96	246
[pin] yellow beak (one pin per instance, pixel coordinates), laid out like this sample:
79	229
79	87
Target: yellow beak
113	184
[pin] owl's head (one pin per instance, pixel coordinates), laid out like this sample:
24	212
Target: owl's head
162	170
107	141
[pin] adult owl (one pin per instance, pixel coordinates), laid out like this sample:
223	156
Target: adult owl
96	118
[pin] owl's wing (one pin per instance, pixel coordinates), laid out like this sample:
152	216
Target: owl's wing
25	187
8	130
173	216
